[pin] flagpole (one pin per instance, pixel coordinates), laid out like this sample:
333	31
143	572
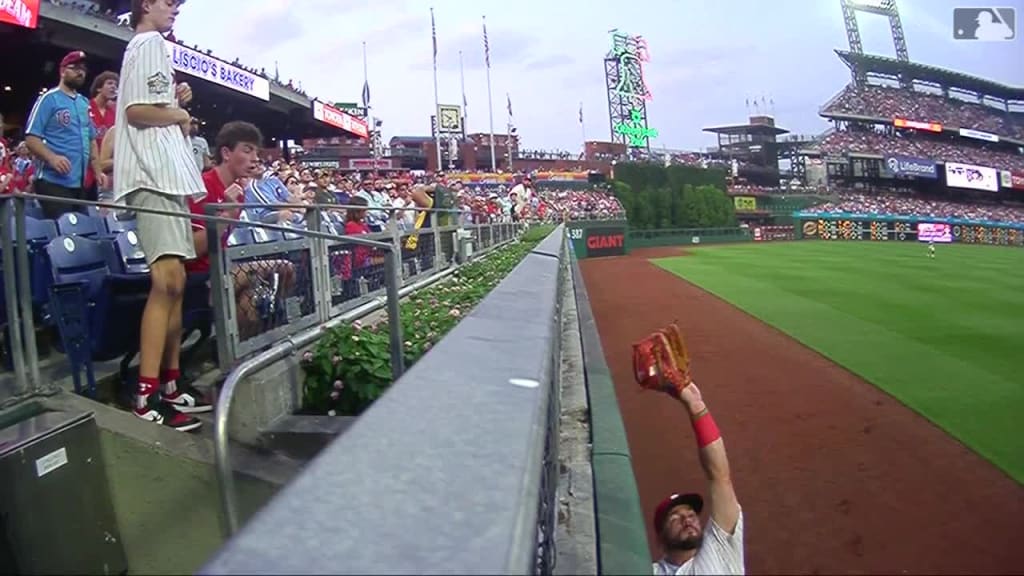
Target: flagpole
369	117
465	105
583	129
508	131
490	98
437	103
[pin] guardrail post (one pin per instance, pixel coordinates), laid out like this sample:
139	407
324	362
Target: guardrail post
321	263
222	308
393	269
438	251
11	302
25	298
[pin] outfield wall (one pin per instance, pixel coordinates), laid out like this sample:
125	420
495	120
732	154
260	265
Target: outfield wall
597	238
848	226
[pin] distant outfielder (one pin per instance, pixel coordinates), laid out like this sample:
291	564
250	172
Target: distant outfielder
661	363
931	249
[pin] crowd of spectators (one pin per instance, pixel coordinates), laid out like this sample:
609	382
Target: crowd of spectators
907	205
92	9
921	146
889	103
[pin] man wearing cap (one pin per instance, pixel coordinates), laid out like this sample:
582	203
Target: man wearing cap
62	135
687	545
200	147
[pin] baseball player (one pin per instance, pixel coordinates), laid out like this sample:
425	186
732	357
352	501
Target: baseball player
690	547
931	248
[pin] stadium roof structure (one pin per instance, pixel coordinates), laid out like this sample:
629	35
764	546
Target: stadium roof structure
884	65
761	129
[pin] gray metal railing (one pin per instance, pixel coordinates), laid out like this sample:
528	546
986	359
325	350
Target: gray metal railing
436	251
455	467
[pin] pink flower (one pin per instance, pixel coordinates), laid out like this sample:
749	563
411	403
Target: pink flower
357	325
335	359
307	356
339	385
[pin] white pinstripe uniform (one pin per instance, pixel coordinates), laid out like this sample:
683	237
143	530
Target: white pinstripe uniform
154	166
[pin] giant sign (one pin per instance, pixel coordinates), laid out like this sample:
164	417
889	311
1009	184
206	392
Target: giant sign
973	177
910	166
217	71
330	115
929	126
605	241
20	12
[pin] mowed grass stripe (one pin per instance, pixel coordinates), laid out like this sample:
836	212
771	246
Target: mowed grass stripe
944	336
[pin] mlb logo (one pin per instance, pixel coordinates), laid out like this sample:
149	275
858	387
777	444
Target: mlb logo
985	24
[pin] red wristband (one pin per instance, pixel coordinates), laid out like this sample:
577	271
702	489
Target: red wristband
706	430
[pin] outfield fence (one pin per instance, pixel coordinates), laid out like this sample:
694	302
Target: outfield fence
852	226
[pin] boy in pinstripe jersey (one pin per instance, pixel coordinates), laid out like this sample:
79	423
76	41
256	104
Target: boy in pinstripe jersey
154	168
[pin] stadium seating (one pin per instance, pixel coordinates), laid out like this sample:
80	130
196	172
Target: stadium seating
889	103
871	142
98	292
78	224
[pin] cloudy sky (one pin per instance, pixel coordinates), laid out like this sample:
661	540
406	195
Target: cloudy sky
707	57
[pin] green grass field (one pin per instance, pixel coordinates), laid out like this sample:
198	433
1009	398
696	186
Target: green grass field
944	336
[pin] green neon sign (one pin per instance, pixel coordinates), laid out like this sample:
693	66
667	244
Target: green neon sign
635	130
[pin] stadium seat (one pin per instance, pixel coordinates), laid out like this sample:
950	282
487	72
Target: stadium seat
115	225
81	268
241	237
78	224
130	258
99	291
33	209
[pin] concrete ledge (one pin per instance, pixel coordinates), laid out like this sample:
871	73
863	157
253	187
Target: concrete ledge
303	437
454	449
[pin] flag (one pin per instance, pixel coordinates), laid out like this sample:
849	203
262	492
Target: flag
433	34
487	45
581	113
366	93
509	98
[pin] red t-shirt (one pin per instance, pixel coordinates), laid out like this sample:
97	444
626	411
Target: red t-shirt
360	256
214	195
103	120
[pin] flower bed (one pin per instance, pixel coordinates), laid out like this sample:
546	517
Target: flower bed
351	364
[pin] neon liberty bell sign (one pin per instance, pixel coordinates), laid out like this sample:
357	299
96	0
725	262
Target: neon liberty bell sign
632	53
635	130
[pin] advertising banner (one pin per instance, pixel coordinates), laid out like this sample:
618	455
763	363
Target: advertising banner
1013	180
978	135
605	241
929	126
934	232
23	13
745	203
217	71
370	164
910	166
973	177
330	115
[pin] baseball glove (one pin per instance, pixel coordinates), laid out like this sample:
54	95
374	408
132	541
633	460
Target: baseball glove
661	361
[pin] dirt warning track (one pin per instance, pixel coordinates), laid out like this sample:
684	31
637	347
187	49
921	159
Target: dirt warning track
834	475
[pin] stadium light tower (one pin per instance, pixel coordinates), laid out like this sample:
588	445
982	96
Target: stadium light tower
885	8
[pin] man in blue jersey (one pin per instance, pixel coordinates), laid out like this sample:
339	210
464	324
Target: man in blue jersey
61	134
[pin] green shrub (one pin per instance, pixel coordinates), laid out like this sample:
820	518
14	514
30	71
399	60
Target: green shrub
351	364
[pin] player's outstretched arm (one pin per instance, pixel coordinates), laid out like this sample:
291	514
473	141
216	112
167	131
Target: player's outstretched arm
725	509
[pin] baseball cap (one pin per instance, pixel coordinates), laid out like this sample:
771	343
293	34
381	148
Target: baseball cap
72	58
694	501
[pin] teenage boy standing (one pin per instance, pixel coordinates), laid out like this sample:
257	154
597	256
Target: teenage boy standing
154	168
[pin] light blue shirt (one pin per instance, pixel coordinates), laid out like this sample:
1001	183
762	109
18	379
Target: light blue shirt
62	122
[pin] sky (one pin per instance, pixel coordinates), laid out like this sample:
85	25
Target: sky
707	58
